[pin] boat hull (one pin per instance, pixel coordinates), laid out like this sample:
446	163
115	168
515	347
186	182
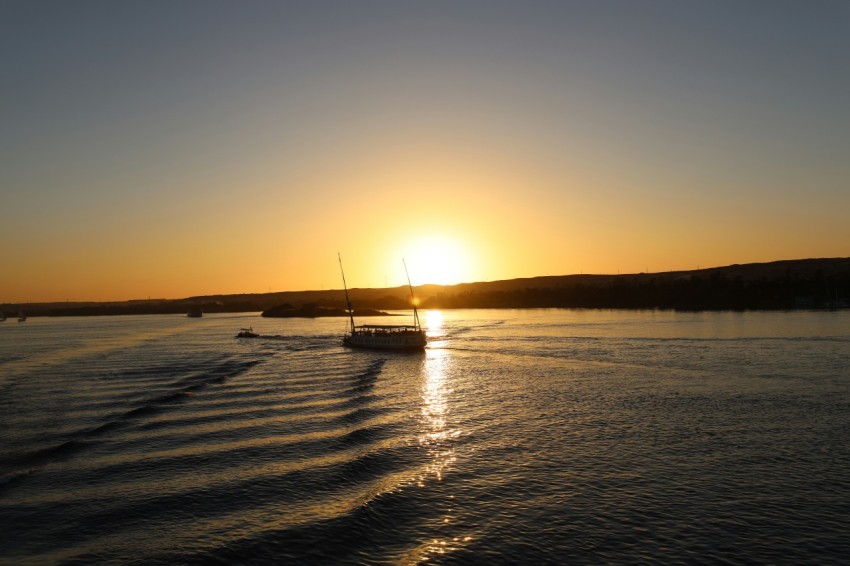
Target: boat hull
401	342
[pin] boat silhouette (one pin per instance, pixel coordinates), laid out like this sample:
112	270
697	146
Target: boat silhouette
383	336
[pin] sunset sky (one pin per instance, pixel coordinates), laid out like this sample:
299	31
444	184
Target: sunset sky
170	149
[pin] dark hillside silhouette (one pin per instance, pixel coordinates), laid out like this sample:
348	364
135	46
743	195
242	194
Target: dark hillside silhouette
808	283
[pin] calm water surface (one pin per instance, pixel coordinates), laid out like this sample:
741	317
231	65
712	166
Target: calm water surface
554	436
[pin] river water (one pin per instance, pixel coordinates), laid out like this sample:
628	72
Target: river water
548	436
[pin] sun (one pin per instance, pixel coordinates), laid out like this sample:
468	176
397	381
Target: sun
438	260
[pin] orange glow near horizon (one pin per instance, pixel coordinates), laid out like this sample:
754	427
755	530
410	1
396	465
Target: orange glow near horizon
484	214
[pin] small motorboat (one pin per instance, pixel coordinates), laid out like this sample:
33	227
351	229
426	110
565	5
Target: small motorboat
247	333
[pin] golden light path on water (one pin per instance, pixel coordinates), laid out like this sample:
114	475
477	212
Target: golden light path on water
435	390
437	433
434	411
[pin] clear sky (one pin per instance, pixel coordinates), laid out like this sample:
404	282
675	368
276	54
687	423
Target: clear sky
177	148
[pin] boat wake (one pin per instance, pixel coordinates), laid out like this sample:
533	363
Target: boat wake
25	464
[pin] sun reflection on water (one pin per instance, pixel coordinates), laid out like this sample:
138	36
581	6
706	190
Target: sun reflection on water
437	438
433	323
435	408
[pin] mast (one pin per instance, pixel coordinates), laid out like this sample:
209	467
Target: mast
347	300
412	298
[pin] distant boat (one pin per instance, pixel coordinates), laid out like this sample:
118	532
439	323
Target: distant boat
383	336
247	333
2	316
195	312
22	317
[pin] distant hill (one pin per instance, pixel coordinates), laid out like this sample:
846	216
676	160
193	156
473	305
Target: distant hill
315	311
803	283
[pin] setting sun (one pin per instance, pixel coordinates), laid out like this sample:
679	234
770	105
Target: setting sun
437	260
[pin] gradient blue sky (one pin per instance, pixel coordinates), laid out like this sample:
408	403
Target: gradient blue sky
176	148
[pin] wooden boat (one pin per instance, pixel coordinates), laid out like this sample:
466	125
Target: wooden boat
404	337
